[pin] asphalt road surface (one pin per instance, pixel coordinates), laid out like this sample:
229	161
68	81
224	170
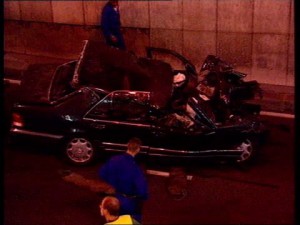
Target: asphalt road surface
262	193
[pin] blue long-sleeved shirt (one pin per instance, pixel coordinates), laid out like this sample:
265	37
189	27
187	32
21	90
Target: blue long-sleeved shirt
111	25
123	173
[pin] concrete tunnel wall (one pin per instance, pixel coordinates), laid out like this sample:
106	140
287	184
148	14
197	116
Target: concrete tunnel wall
257	36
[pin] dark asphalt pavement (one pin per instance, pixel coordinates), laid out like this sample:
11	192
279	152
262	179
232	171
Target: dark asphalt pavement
263	193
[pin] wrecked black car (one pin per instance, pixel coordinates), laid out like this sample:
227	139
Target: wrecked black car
98	102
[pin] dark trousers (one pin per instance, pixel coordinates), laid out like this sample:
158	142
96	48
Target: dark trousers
131	206
120	44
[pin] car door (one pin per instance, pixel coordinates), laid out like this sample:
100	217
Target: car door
118	117
169	139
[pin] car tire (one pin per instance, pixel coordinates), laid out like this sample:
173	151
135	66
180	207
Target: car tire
79	150
248	146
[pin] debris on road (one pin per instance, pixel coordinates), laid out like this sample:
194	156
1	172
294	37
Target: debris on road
93	185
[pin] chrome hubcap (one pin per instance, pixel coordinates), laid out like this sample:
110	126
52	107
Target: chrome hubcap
247	149
80	150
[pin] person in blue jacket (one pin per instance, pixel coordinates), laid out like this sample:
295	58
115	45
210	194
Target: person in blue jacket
111	25
124	174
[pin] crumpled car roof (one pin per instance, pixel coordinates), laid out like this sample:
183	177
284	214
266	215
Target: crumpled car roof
36	83
44	83
112	69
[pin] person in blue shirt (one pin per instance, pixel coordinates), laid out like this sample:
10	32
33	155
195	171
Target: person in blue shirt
124	174
111	25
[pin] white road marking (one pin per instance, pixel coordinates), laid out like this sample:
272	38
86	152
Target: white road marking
275	114
12	81
165	174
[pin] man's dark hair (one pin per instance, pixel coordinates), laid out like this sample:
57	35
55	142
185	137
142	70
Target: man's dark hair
134	144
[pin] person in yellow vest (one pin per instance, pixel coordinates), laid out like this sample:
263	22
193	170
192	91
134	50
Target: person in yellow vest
109	209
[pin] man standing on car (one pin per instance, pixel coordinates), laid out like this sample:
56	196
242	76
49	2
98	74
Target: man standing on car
111	24
124	174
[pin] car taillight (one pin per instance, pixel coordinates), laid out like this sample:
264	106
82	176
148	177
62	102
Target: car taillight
17	120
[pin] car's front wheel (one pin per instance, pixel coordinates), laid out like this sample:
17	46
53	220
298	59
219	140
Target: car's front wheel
247	151
79	151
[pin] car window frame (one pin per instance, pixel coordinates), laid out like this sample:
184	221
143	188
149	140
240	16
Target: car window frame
110	99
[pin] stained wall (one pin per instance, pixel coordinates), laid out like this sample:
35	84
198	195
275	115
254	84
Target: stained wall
256	36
